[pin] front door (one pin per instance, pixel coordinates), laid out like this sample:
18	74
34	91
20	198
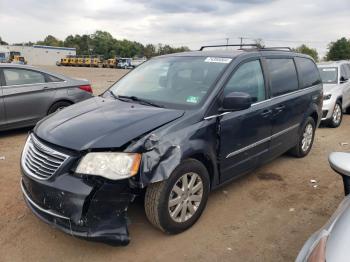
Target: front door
245	135
26	96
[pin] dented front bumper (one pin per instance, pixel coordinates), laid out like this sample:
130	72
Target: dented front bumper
94	210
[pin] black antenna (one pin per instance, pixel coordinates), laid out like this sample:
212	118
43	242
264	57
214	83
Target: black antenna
211	46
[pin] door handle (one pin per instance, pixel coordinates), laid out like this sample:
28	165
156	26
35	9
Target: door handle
280	108
266	113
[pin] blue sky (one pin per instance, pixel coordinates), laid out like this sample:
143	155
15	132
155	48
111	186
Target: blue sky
181	22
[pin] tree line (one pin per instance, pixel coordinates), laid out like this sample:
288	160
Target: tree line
103	43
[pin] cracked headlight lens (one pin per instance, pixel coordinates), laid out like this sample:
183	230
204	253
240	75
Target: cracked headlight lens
111	165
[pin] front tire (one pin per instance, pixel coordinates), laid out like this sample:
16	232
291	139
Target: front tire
175	204
306	139
58	106
337	116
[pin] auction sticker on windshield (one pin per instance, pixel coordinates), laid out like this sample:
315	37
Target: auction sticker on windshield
221	60
192	99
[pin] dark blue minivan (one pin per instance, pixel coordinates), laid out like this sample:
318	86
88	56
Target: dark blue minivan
171	130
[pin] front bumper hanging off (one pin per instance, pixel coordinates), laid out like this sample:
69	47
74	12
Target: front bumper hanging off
81	208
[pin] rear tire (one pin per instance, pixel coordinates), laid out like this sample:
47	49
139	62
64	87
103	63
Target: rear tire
337	116
58	106
175	204
305	140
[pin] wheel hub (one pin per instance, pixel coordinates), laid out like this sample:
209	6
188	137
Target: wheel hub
185	197
307	137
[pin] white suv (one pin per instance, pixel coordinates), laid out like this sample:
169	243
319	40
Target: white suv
336	91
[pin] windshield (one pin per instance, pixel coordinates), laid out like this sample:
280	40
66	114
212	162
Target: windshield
180	82
329	75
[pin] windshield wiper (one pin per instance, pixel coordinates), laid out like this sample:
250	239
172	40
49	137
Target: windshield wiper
114	96
137	99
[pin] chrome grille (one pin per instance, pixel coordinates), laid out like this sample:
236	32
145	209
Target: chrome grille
39	160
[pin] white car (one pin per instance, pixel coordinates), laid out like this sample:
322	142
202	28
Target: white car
336	91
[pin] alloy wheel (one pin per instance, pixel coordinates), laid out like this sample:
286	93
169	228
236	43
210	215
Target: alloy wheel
307	137
336	114
185	197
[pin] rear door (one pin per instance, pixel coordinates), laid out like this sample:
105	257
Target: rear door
26	95
245	135
288	104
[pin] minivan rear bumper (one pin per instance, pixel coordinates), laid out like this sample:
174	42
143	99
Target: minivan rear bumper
94	212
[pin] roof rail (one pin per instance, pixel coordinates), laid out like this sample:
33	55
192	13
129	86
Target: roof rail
240	45
280	48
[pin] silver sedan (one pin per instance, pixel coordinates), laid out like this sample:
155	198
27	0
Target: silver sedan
27	94
331	242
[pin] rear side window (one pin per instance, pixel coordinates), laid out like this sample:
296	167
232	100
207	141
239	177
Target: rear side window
249	79
310	76
283	76
14	76
51	78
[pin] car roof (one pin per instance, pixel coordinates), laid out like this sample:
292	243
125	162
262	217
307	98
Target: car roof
234	53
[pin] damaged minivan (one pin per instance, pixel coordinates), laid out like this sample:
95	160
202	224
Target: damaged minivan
171	130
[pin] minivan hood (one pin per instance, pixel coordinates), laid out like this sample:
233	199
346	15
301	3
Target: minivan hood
102	123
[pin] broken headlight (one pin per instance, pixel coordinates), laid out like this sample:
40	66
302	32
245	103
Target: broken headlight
110	165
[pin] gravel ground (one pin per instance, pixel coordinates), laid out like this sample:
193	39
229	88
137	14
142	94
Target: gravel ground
264	216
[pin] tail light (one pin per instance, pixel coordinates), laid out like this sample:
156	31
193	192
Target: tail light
86	88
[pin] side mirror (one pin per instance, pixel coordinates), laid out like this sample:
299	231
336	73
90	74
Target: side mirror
236	101
343	79
340	163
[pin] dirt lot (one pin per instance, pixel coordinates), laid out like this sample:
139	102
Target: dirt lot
264	216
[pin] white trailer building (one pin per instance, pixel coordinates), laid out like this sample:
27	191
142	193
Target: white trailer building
41	55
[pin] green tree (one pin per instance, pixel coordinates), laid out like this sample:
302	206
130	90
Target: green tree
304	49
2	42
339	50
50	41
103	43
259	43
150	50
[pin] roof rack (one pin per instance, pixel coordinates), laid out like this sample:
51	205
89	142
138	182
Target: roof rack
240	45
255	47
280	48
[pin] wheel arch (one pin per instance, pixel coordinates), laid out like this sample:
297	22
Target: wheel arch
58	101
207	162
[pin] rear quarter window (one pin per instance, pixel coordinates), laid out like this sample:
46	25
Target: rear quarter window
50	78
308	72
283	76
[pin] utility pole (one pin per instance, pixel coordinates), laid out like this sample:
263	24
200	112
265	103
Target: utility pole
241	42
227	42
